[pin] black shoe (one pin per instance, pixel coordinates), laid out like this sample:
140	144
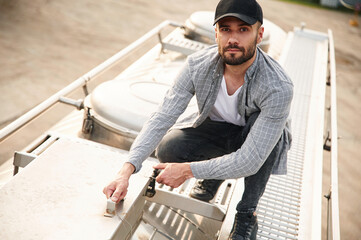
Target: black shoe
205	189
245	226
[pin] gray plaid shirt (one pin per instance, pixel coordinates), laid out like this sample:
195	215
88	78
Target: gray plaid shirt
267	89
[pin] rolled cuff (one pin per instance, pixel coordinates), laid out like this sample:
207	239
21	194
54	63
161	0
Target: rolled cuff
136	164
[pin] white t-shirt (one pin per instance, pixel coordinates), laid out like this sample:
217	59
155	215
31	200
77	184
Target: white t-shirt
225	107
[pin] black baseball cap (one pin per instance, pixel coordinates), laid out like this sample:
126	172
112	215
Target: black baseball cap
248	11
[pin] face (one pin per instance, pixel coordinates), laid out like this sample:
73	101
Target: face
237	40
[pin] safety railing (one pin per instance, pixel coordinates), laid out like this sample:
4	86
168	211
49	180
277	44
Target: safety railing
333	221
81	82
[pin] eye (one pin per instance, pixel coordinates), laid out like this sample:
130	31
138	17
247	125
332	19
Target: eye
244	29
225	29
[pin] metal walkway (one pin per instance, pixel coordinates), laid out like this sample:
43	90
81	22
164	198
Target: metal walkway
291	205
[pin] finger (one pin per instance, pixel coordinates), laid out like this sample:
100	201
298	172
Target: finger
163	177
122	196
116	197
105	191
160	178
108	191
160	166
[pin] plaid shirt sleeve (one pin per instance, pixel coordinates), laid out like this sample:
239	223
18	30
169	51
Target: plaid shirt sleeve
174	104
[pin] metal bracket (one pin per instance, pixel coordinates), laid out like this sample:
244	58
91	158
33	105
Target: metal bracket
327	142
188	204
87	123
161	43
110	210
22	159
85	89
76	103
150	192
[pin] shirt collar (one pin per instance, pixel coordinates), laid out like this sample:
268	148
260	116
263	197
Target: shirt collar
254	66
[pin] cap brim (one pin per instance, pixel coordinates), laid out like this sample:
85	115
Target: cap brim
242	17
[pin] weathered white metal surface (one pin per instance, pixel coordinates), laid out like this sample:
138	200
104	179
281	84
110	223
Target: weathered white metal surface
200	24
129	99
59	195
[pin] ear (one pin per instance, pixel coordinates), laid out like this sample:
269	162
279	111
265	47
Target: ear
216	33
260	34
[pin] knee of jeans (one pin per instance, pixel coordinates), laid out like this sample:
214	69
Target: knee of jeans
252	118
169	153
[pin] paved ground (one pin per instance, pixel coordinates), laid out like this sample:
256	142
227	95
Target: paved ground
46	44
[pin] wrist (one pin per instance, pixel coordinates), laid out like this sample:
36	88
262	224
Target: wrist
126	171
188	171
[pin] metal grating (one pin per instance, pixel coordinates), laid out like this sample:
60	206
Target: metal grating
279	208
177	42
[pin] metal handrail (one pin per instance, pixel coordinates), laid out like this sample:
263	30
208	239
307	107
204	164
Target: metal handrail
333	216
95	72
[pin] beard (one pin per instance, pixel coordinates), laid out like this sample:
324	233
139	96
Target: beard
247	54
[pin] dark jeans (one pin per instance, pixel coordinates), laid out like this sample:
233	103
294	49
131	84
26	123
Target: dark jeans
213	139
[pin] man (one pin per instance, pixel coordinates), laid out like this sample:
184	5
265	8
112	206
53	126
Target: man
241	127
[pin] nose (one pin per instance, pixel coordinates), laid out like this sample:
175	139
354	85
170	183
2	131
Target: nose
233	39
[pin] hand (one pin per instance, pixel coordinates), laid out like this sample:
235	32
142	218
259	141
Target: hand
173	174
118	188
